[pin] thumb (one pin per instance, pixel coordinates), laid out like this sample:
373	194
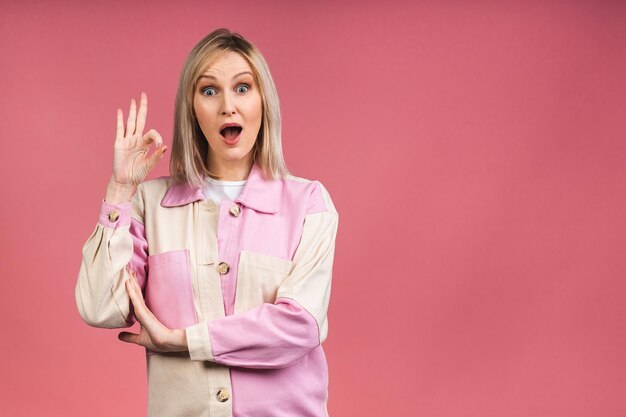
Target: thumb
156	156
128	337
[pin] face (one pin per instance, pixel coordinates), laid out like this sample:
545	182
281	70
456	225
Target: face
227	93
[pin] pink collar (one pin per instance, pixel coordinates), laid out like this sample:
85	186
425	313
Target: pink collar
259	193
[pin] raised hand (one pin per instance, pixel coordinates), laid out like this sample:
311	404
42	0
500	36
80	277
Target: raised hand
131	162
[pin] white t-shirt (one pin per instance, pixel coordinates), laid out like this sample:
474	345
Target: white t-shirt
219	189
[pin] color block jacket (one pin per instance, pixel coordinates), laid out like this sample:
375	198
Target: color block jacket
249	280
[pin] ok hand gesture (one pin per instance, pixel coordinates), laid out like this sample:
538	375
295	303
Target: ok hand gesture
131	162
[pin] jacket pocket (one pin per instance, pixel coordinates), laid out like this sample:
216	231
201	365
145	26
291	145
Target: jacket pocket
258	278
169	290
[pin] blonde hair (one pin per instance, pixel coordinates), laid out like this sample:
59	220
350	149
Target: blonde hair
190	148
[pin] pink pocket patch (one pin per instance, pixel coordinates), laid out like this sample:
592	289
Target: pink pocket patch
169	290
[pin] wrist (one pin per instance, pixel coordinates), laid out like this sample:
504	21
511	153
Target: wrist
118	193
178	340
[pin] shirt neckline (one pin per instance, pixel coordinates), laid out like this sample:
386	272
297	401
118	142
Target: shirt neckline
225	182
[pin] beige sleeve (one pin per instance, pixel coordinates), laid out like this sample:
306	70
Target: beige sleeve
117	239
309	283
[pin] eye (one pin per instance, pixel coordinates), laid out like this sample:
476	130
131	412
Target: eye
246	86
204	90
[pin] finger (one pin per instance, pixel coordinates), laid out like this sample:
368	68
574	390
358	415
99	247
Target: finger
131	272
129	337
132	115
156	157
135	299
133	276
141	117
152	136
132	283
143	314
119	134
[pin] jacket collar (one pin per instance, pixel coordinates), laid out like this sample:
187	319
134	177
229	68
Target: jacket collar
258	193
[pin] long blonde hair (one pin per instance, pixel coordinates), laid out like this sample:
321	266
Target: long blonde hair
190	148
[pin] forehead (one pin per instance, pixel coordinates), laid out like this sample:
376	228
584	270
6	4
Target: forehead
226	65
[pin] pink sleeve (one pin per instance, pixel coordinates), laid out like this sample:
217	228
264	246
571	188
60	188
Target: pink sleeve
268	336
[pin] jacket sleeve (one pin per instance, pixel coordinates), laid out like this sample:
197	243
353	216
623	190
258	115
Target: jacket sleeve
117	240
275	335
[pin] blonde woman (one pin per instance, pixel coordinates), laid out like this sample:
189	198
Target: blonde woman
226	263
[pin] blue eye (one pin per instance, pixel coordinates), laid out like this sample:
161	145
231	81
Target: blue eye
207	89
243	85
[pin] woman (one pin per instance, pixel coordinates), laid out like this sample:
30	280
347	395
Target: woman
227	262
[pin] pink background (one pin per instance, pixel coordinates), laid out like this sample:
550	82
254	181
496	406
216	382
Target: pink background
475	150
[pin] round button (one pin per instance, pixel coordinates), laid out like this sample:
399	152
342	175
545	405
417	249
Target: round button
223	394
114	215
223	267
235	210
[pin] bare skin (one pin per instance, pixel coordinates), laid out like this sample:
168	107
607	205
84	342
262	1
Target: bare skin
227	92
131	162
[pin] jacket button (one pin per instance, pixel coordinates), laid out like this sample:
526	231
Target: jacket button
235	210
223	395
223	267
114	215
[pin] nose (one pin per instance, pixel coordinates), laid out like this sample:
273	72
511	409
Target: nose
228	105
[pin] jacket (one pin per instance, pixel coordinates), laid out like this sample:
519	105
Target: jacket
249	280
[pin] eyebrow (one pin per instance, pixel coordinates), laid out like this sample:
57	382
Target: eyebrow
212	77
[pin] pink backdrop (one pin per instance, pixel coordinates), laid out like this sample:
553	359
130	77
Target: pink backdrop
475	150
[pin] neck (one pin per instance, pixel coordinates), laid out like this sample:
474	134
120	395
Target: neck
231	170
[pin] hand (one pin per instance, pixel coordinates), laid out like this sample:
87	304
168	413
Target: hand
153	334
131	163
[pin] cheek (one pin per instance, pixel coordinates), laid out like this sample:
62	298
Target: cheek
256	108
203	114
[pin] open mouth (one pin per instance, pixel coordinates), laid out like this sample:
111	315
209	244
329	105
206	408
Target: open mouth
231	132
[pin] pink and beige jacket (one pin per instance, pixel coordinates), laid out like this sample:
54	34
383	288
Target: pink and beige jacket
249	280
